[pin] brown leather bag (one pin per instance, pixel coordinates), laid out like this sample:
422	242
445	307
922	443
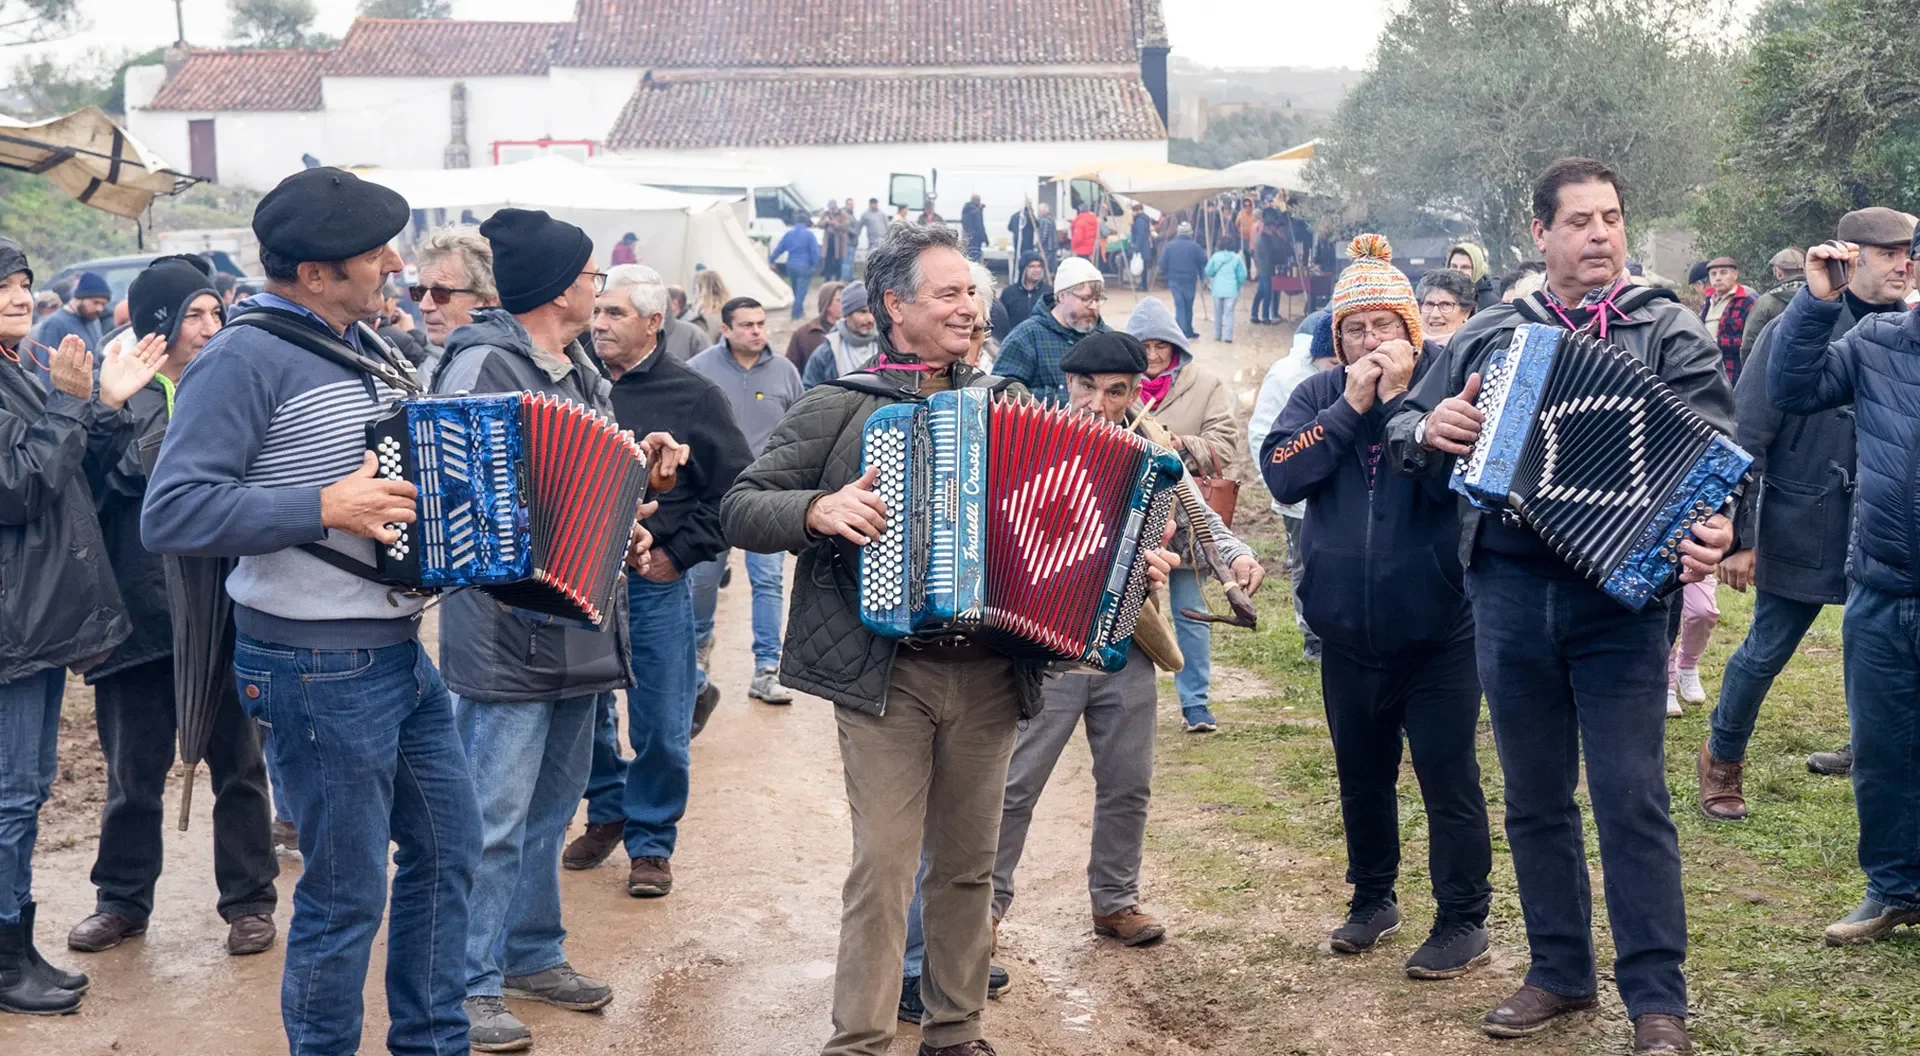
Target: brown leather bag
1222	494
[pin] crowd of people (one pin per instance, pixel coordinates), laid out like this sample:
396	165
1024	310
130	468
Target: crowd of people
210	428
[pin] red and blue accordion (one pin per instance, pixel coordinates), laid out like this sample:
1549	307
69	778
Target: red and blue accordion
530	498
1012	524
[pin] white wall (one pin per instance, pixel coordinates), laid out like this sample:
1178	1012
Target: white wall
406	122
586	102
993	170
251	150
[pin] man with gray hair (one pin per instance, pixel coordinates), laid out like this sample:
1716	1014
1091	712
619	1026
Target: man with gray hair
640	801
926	726
456	277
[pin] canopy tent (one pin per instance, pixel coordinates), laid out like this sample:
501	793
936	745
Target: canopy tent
676	231
89	157
1287	174
1299	153
1125	175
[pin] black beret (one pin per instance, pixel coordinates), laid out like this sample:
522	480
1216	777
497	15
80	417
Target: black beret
13	260
1697	273
328	214
158	297
535	257
1877	226
1111	352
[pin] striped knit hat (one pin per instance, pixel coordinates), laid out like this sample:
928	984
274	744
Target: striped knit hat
1372	283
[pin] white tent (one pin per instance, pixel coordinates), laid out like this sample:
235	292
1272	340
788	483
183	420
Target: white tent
89	157
676	231
1287	175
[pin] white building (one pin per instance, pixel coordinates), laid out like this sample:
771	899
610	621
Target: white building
837	95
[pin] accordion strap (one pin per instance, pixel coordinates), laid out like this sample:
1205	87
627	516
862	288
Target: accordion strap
296	331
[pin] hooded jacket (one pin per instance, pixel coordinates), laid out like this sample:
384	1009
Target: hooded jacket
118	490
1181	262
1651	324
1197	407
1485	291
1277	388
1383	571
1876	367
1017	299
60	606
489	651
1031	353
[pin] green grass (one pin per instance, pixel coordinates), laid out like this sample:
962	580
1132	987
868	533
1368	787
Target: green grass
1758	893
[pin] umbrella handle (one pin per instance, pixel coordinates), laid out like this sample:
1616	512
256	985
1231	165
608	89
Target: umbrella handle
186	794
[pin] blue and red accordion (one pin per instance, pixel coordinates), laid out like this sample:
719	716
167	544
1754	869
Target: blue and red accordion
1587	447
1012	524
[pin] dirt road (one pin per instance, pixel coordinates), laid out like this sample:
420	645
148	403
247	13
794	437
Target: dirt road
739	960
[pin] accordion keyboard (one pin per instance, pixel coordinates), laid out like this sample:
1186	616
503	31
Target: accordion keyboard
883	579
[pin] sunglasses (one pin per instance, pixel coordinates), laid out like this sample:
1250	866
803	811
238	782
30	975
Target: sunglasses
443	294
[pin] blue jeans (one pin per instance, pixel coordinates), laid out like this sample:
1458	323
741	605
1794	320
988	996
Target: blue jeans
846	266
1183	306
1881	635
1223	317
1564	666
1778	625
1195	638
799	279
531	760
704	579
649	793
366	744
29	761
766	572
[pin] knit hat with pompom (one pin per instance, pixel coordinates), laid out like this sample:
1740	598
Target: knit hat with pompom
1372	283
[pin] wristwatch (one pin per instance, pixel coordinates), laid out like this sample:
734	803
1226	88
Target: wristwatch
1420	432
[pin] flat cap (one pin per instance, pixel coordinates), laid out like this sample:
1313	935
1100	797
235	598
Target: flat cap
1697	273
1108	352
1877	226
1789	259
328	214
1723	262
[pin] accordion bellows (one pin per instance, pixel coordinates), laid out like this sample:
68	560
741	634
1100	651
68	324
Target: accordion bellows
530	498
1016	525
1595	454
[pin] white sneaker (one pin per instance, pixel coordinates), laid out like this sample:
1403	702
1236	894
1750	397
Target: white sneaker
766	687
1673	705
1691	691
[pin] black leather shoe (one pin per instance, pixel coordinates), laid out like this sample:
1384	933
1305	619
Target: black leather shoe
253	933
103	931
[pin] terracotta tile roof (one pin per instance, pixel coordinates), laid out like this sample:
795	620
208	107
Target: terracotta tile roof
245	80
398	47
730	33
770	111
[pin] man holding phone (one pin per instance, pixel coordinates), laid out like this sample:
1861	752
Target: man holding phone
1872	367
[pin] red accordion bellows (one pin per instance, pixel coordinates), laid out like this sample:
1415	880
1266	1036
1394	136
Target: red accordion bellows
1058	494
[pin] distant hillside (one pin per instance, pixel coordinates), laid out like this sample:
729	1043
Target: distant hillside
1289	87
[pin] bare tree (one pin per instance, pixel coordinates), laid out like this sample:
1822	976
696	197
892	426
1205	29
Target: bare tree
406	8
272	23
33	21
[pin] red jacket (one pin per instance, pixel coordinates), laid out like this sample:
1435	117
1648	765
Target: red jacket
1086	232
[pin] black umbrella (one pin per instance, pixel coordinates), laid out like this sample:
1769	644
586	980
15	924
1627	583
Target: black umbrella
202	645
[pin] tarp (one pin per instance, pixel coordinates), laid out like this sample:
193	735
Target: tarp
89	157
1125	175
1288	175
676	231
1299	153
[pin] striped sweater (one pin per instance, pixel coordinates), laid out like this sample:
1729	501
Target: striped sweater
259	427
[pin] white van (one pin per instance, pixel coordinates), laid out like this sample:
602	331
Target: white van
767	197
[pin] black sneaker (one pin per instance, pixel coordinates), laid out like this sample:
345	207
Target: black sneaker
1452	949
911	1010
997	981
1367	923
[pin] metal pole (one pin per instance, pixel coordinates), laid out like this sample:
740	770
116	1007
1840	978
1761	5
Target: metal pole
180	20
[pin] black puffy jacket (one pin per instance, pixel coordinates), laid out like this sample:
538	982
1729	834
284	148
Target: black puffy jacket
118	491
59	606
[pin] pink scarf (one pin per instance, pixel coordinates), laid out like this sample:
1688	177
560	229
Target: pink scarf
1153	390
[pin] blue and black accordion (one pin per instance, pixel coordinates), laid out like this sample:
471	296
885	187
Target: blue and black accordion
530	498
1013	524
1593	452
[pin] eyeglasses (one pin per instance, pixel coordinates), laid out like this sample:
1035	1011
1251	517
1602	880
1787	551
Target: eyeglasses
1385	331
599	280
1446	307
443	294
1086	298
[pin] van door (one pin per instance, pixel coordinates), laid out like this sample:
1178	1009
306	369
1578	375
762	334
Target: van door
908	189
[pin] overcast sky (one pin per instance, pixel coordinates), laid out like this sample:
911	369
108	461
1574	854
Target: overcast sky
1214	32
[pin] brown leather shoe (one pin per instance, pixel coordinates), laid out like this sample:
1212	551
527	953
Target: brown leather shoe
1720	796
1132	926
1655	1033
252	933
1529	1009
965	1048
103	931
650	878
592	847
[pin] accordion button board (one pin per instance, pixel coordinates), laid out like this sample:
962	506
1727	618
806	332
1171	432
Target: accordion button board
1598	456
1017	525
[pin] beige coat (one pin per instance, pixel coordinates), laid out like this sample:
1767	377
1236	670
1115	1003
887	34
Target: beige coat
1199	410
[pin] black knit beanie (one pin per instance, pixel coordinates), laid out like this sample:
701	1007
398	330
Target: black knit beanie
158	298
13	260
535	257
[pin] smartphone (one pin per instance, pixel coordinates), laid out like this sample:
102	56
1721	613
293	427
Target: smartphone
1838	271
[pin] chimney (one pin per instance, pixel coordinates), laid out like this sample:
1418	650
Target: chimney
1153	70
175	57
